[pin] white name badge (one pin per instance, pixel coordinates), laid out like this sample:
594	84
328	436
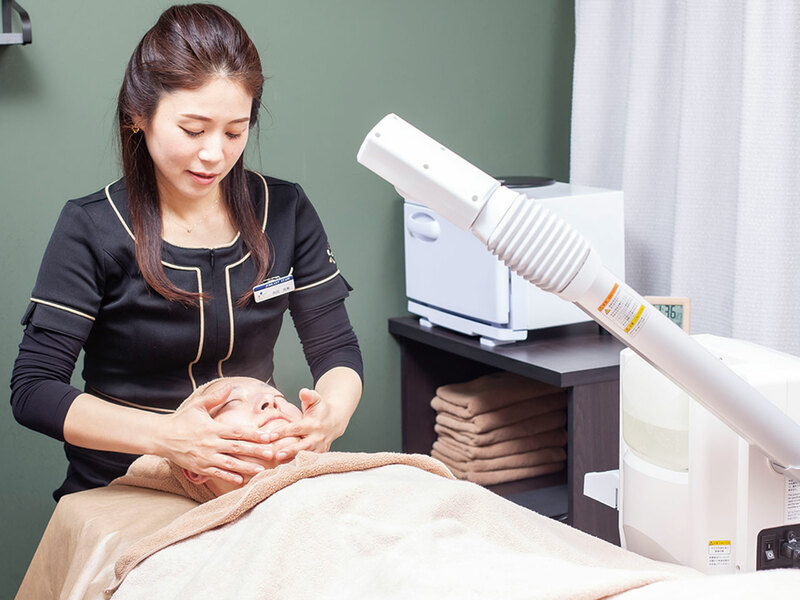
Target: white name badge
277	286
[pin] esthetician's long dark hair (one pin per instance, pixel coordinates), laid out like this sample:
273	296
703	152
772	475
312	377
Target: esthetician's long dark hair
188	46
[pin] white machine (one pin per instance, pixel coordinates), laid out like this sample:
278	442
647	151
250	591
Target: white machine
546	251
452	280
691	490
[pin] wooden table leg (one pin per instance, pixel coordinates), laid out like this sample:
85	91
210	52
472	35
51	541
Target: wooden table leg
593	445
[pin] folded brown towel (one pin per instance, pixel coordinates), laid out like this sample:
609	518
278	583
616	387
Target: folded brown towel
519	411
493	391
469	433
515	461
458	451
506	475
551	420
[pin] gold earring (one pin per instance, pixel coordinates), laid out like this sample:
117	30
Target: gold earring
134	129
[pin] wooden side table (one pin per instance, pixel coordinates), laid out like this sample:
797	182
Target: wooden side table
581	358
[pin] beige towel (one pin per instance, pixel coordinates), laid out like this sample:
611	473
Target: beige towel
468	433
493	391
506	475
513	461
458	451
530	407
155	472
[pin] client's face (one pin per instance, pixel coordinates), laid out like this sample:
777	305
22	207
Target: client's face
254	402
251	402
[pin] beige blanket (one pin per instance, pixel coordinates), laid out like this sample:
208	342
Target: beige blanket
373	526
158	473
392	531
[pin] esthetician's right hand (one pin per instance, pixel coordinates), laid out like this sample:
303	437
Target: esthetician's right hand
194	440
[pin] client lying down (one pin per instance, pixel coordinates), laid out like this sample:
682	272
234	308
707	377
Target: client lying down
383	525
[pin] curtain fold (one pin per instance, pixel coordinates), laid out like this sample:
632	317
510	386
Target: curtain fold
693	109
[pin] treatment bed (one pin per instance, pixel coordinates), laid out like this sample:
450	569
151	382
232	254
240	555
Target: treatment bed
341	525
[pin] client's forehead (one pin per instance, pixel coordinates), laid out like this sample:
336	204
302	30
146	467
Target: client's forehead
243	384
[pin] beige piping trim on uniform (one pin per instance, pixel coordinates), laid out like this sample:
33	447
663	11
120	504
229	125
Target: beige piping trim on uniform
133	404
266	201
130	233
320	282
65	308
230	309
116	210
202	317
228	281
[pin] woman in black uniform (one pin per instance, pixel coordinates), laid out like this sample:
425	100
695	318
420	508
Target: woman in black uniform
179	273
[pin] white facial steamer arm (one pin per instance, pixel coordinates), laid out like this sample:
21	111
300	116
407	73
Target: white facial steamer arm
543	249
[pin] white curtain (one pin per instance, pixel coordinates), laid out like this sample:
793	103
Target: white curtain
693	109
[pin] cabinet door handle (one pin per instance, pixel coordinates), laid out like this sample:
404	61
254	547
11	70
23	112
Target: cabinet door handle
423	226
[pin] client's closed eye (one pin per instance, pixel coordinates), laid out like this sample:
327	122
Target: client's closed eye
220	409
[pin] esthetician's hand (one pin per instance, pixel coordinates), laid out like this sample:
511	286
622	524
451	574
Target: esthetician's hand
316	430
195	441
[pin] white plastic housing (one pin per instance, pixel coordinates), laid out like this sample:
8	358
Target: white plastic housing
425	171
545	250
692	491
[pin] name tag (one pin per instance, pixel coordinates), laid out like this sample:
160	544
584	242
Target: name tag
277	286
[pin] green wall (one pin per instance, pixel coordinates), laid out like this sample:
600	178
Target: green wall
490	79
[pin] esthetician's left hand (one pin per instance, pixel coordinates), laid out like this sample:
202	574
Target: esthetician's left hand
326	414
311	429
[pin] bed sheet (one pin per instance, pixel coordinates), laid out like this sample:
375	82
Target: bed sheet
87	532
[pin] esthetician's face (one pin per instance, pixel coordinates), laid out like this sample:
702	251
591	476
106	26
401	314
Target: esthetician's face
196	136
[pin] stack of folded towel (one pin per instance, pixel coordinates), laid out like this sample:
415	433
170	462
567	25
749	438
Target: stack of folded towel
500	427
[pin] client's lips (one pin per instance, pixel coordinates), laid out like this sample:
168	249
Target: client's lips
275	418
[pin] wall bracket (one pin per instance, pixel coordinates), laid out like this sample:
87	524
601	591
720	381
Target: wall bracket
8	37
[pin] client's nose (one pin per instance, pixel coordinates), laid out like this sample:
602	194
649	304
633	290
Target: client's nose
267	402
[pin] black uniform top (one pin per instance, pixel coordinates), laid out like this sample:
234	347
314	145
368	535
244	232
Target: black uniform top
144	351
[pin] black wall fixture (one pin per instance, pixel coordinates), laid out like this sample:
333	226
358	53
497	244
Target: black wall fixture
9	37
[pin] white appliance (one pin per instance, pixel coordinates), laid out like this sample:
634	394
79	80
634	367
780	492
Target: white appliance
454	281
691	490
546	251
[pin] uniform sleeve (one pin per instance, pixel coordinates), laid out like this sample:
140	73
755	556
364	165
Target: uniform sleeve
59	317
316	275
40	391
69	287
328	339
317	303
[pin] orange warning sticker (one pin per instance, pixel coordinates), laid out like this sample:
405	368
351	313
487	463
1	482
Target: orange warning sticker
609	297
625	309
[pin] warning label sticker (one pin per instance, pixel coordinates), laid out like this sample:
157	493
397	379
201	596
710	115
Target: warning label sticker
792	500
719	553
624	309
